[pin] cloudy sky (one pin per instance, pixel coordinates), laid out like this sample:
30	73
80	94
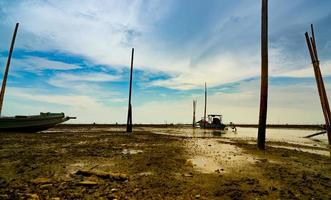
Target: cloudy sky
74	57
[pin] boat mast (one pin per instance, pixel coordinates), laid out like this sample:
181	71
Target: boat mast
5	75
204	115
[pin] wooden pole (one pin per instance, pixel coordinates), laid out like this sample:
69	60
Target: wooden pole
264	76
327	107
205	110
194	107
5	75
311	43
129	119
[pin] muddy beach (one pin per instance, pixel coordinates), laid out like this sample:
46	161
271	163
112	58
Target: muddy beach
92	162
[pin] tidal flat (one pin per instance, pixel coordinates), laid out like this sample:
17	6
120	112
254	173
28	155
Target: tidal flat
105	162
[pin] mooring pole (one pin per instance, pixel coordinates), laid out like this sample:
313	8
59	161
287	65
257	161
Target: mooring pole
194	107
325	97
264	77
311	43
205	110
129	120
5	75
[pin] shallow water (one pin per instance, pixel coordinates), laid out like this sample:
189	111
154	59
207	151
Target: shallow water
284	138
209	156
282	135
272	134
288	136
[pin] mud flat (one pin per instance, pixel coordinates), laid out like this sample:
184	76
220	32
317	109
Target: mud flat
92	162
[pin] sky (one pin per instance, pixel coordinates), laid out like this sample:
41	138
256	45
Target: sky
74	57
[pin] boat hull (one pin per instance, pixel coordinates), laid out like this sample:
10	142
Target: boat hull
32	123
212	126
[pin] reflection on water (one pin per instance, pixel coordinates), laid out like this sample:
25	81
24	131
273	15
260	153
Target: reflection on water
289	136
280	135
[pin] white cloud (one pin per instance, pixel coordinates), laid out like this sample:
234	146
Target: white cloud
88	77
79	101
226	50
308	71
103	32
223	69
37	64
87	84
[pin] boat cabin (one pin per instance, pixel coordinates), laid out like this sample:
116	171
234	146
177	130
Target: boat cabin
214	119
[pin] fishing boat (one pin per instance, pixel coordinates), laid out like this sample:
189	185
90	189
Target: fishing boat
213	121
32	123
22	123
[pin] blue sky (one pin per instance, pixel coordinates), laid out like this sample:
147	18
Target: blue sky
74	56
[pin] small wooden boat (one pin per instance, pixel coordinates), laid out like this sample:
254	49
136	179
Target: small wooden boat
212	122
32	123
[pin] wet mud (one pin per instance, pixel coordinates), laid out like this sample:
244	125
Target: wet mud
107	163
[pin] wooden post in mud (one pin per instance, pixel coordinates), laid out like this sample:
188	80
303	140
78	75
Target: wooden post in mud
129	120
264	77
194	107
311	43
4	81
205	110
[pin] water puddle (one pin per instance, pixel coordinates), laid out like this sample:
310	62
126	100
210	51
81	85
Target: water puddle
131	151
189	132
304	148
87	164
210	155
145	174
205	164
308	150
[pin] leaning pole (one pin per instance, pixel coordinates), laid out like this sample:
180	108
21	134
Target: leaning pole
5	75
311	43
129	119
264	77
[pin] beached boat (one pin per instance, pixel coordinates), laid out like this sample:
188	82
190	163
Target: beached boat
212	122
32	123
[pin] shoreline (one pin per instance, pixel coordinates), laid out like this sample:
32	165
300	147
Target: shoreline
286	126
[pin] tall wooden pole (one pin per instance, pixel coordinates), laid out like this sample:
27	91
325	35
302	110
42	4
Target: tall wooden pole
264	76
311	43
194	107
129	120
205	110
4	81
326	102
